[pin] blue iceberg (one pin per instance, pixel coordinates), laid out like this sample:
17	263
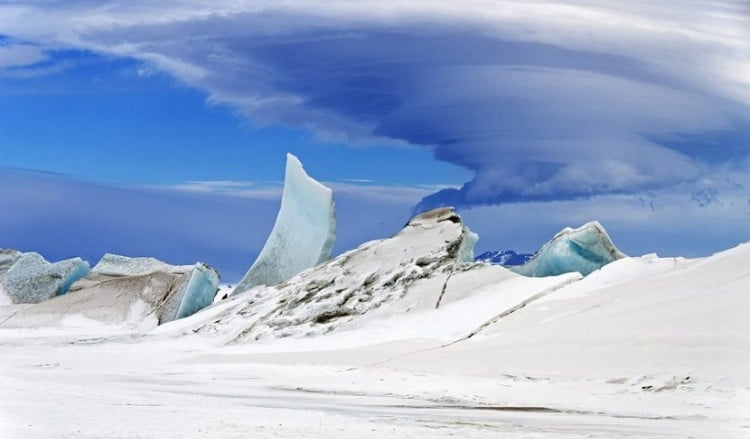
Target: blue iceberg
303	235
199	291
585	250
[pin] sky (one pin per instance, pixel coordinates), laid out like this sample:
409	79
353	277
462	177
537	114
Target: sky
160	128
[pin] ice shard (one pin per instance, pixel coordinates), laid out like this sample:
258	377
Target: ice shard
303	235
199	291
29	278
585	249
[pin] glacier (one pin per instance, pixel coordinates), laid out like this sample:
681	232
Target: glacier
583	250
303	235
29	278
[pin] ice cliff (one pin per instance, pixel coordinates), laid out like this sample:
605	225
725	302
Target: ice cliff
303	235
585	249
29	278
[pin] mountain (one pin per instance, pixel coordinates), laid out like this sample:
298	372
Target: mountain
506	258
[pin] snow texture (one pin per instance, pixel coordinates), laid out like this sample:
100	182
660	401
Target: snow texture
584	250
29	278
304	233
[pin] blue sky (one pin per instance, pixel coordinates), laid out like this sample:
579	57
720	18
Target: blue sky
151	122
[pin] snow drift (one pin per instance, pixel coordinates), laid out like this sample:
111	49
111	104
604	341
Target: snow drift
304	233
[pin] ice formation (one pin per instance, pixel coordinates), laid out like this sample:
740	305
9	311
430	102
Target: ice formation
140	291
426	265
303	235
190	287
585	250
199	291
29	278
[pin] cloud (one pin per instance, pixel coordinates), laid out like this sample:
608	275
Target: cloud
542	101
20	55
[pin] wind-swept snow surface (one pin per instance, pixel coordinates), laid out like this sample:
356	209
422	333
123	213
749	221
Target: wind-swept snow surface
645	347
583	250
304	233
401	337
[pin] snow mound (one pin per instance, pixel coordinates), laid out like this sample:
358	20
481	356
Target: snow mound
29	278
585	250
143	292
304	233
413	267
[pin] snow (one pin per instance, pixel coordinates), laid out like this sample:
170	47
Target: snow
29	278
584	250
414	342
304	233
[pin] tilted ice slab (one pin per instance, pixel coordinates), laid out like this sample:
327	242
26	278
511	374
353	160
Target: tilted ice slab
144	292
584	250
425	274
29	278
303	235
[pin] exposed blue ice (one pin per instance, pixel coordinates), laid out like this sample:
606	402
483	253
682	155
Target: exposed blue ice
29	278
585	249
466	250
303	235
200	290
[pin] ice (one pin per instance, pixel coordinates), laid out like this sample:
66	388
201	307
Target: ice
117	265
29	278
585	250
199	291
188	289
139	293
303	235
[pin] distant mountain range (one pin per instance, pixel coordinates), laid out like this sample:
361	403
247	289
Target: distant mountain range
504	258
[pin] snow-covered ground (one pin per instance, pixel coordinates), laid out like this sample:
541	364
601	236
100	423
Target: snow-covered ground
645	347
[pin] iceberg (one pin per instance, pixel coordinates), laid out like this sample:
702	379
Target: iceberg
29	278
304	232
585	250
